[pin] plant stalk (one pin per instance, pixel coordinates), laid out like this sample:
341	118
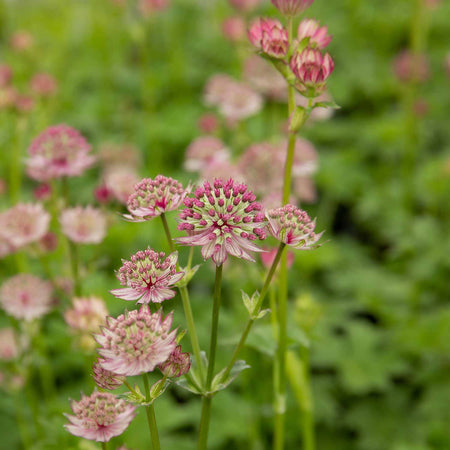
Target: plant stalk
151	419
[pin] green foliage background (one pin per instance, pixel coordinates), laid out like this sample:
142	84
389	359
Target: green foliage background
373	303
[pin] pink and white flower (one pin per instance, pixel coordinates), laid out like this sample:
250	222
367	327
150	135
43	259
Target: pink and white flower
106	379
43	84
244	5
136	342
202	151
148	277
223	218
269	36
83	225
86	314
177	364
26	296
318	36
292	7
120	182
99	417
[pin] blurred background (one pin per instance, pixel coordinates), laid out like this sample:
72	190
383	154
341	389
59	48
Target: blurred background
370	307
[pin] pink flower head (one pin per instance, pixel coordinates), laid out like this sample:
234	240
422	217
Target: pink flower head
234	28
153	197
216	89
106	379
240	102
268	257
116	155
136	342
42	192
24	223
25	296
57	152
311	69
177	364
244	5
223	218
147	7
318	36
269	36
208	123
99	417
9	348
292	226
148	277
83	225
21	40
202	151
292	7
120	182
412	68
6	248
24	103
86	314
43	84
102	194
5	75
48	242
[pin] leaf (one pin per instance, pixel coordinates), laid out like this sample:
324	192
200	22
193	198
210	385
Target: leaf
331	105
218	384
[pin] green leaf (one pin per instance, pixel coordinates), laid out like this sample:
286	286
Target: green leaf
218	384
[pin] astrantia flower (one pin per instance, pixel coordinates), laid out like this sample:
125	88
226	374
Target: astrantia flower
25	296
318	36
120	181
148	277
412	67
116	155
240	102
43	84
311	69
24	223
83	225
270	36
99	417
136	342
8	344
202	151
86	314
153	197
233	28
57	152
106	379
223	218
292	7
177	364
292	226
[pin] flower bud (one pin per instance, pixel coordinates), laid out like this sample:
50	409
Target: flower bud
177	364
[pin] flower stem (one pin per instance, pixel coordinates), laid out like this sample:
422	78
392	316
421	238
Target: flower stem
130	388
151	419
187	307
73	255
104	447
206	405
250	322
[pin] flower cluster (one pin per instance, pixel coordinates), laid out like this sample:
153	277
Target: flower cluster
99	417
59	151
223	218
83	225
148	277
270	36
153	197
293	227
136	342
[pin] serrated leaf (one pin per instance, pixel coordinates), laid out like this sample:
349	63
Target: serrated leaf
218	384
262	313
188	275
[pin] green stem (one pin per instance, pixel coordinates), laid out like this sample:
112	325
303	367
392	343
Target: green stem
187	307
104	447
151	419
73	255
206	405
250	322
130	388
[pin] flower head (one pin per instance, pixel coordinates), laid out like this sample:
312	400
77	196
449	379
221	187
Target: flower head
86	314
223	218
202	151
9	348
21	40
25	296
153	197
99	416
292	226
244	5
412	68
24	223
83	225
318	36
148	277
292	7
43	84
311	69
136	342
57	152
233	28
269	36
106	379
120	182
177	364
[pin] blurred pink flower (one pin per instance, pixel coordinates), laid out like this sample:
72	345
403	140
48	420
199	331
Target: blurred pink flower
21	40
268	257
86	314
177	364
202	151
147	7
153	197
43	84
208	123
411	68
120	182
8	97
318	36
311	69
48	242
24	223
218	168
136	342
106	379
116	155
223	218
9	348
102	194
5	247
292	7
234	28
292	226
270	36
5	75
24	103
84	225
244	5
99	417
25	296
148	277
57	152
216	89
42	192
305	189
